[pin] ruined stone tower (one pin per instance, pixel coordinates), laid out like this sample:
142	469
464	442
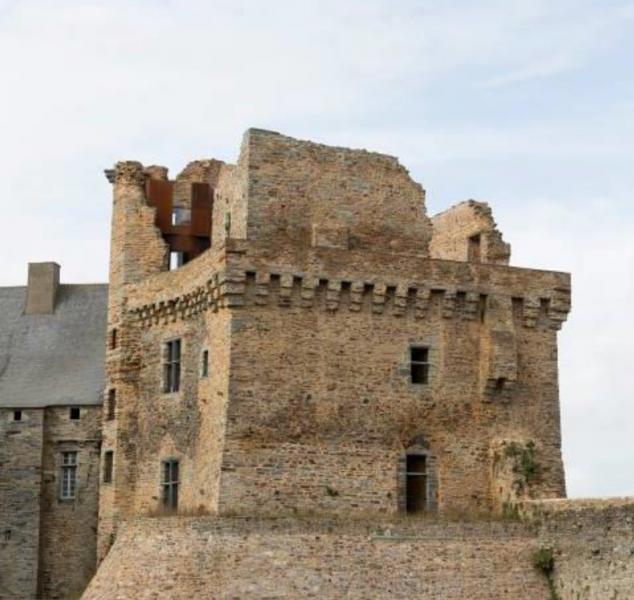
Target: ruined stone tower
320	345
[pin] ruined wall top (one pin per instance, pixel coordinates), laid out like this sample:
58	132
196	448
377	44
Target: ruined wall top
302	194
467	232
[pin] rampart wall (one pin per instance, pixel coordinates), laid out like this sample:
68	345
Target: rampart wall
281	558
184	557
592	543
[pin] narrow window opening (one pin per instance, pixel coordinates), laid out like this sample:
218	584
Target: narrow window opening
482	307
112	404
17	415
108	466
204	364
75	413
170	484
172	367
178	259
68	478
419	365
416	485
7	535
474	248
113	338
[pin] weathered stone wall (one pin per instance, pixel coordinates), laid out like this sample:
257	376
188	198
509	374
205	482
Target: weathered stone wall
69	527
47	545
137	252
592	543
187	425
467	232
302	194
198	171
20	479
590	540
321	406
308	302
243	558
229	217
298	420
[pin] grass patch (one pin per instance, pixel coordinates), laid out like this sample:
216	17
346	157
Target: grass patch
525	461
544	561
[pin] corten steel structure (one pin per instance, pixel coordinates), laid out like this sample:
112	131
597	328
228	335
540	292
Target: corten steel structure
327	348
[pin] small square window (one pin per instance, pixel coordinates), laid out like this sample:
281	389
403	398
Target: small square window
75	413
17	415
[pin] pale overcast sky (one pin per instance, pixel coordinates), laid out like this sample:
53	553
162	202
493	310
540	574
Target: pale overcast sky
526	104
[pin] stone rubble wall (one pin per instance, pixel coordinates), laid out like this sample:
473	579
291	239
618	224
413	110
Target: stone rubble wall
21	445
374	557
453	227
304	194
174	558
68	543
47	545
593	545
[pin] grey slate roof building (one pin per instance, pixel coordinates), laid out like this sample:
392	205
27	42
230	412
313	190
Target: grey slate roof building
53	359
52	378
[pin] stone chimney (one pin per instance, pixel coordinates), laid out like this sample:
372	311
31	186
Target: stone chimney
42	288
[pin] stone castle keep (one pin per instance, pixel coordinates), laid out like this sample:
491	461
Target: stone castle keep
311	390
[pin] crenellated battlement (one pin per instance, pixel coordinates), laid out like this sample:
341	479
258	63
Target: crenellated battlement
234	289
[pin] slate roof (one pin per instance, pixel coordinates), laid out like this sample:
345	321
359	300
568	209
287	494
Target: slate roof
58	359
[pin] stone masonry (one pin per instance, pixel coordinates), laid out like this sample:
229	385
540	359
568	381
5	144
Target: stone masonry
312	390
52	339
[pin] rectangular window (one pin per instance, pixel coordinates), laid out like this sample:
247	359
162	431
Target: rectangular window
172	366
111	404
419	364
170	484
17	415
68	475
108	465
416	491
113	338
75	413
474	254
204	364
